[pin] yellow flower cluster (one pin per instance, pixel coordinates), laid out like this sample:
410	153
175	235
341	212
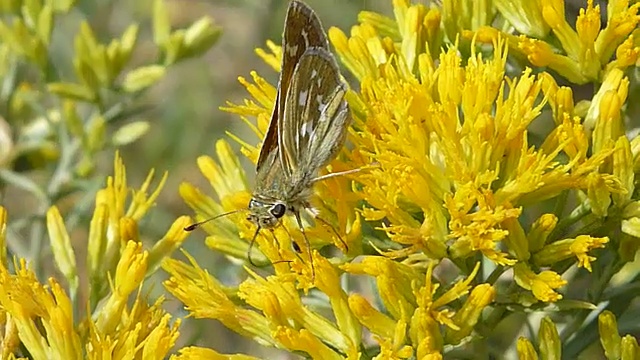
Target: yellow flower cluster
466	216
458	183
587	53
457	176
48	321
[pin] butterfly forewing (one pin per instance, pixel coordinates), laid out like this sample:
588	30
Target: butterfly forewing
302	30
315	113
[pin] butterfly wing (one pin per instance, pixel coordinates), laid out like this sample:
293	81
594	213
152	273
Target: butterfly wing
302	30
316	114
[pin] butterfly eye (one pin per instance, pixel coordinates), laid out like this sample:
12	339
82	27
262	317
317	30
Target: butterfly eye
278	210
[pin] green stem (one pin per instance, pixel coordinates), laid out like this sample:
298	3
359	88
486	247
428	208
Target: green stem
36	237
495	274
576	215
560	204
595	296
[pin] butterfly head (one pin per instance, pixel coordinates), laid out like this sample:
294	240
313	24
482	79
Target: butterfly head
265	214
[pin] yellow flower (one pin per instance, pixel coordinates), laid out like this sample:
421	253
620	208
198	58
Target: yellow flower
44	320
394	281
566	248
204	297
525	16
540	231
279	306
459	180
198	353
51	322
526	351
586	51
43	317
426	302
115	223
608	328
542	285
61	246
394	348
469	314
378	323
549	341
616	346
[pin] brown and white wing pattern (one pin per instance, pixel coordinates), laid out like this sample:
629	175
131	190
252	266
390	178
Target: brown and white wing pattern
302	30
316	114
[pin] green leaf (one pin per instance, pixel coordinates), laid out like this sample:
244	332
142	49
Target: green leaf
96	134
130	133
72	91
127	42
30	11
21	36
62	5
200	36
22	182
161	23
119	51
174	48
100	65
45	24
39	54
85	73
10	6
568	304
143	77
631	226
82	48
6	143
87	38
71	118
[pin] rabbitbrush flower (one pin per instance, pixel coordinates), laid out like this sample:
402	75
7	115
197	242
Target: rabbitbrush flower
492	193
46	321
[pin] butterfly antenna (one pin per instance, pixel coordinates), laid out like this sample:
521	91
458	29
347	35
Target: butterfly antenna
374	164
326	223
308	245
198	224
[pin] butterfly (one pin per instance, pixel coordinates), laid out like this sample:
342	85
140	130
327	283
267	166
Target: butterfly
308	127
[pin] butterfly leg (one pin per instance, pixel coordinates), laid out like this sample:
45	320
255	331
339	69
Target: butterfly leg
335	232
293	242
307	244
253	240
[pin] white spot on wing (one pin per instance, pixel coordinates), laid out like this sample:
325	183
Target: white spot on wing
292	49
305	130
321	106
302	98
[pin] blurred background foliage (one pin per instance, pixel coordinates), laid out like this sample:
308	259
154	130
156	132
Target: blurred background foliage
65	110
